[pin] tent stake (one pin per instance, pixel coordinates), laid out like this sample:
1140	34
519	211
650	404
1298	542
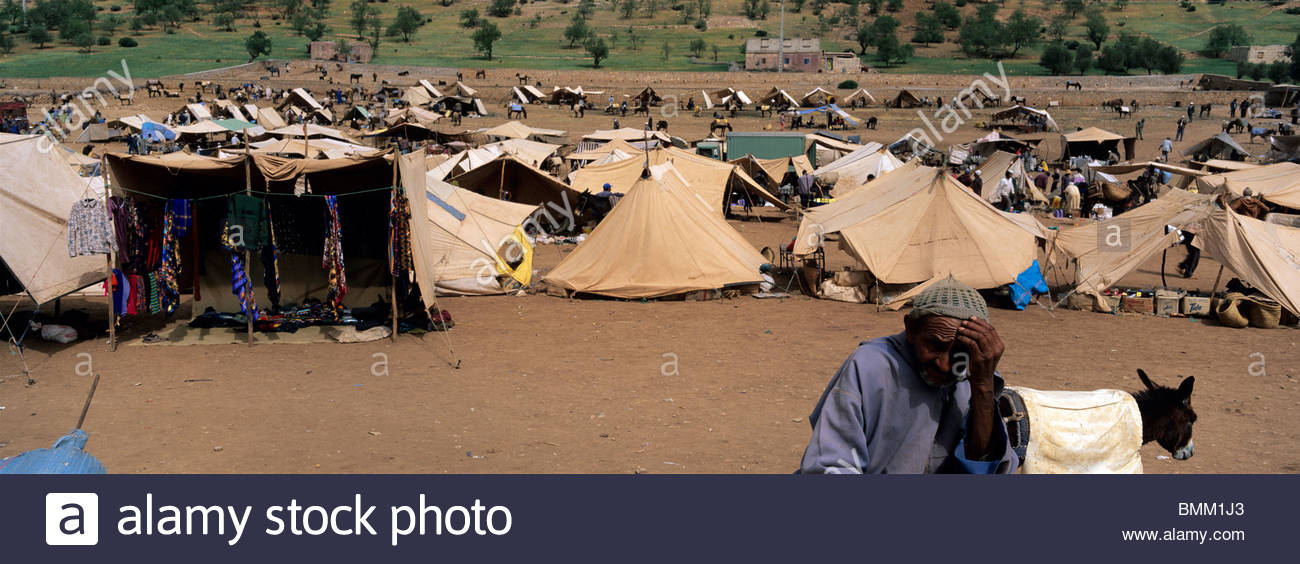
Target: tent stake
1163	255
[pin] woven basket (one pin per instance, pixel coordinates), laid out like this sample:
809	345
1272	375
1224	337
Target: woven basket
1262	312
1229	311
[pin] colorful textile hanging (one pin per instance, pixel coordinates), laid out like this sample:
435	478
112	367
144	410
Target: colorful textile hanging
241	286
399	235
271	264
170	264
332	258
155	305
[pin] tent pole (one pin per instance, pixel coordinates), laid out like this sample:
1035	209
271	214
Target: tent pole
108	268
1215	289
392	262
1163	255
501	184
248	191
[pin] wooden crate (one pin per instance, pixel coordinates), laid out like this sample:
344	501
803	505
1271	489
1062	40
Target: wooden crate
1195	306
1137	305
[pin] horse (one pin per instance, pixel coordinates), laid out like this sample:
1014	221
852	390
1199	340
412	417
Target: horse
1205	110
639	109
871	122
523	78
404	73
480	73
1125	111
1113	104
1235	125
1074	84
355	77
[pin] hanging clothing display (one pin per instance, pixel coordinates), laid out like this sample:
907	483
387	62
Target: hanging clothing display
247	226
183	218
119	288
399	235
241	286
155	303
89	230
170	264
271	265
332	258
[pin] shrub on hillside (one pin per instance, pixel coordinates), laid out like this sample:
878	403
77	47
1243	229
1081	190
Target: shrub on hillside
104	40
127	42
849	84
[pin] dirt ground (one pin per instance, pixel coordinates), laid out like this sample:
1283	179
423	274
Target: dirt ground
547	384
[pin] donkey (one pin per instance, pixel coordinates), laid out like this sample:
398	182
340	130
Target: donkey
1167	415
1074	84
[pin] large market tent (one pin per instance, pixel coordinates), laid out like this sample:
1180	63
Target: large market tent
463	161
1136	235
1261	254
364	202
817	97
1212	166
996	167
1278	183
917	223
419	116
853	169
517	130
311	148
660	239
270	119
779	98
526	95
1221	146
904	99
531	152
717	182
859	93
1096	143
310	130
771	172
302	102
602	152
35	200
97	132
525	183
470	234
725	96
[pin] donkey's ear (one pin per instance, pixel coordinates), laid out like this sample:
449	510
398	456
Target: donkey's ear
1147	381
1185	389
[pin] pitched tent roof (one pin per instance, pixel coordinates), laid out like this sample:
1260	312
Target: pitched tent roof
817	97
531	152
1100	267
526	184
1221	146
1220	165
312	130
230	107
1262	254
1021	111
1134	167
776	95
1284	147
648	97
417	96
626	134
98	132
317	147
715	181
201	128
859	93
517	130
464	90
299	98
420	116
773	169
721	97
428	88
996	167
526	94
1278	183
270	119
917	223
199	111
659	240
904	99
35	200
468	231
852	169
603	151
1095	142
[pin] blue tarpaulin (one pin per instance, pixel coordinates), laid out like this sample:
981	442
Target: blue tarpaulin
156	131
1027	284
67	456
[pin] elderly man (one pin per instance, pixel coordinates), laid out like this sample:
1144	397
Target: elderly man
921	401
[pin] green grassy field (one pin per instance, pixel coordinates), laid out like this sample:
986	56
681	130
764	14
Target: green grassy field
199	46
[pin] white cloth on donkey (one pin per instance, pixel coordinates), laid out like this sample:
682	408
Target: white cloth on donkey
1097	432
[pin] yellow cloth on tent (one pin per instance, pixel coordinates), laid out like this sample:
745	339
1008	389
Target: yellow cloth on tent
523	274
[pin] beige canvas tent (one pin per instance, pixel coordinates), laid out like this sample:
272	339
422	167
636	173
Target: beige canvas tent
904	99
524	183
1104	252
310	130
270	119
724	96
526	94
1220	147
421	117
716	182
1097	143
97	132
600	137
861	94
531	152
917	223
198	111
996	167
517	130
471	235
659	240
302	101
1018	117
1277	183
826	150
851	171
418	96
773	170
602	152
817	97
1264	255
35	200
779	98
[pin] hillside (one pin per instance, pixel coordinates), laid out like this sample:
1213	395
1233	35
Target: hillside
533	39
